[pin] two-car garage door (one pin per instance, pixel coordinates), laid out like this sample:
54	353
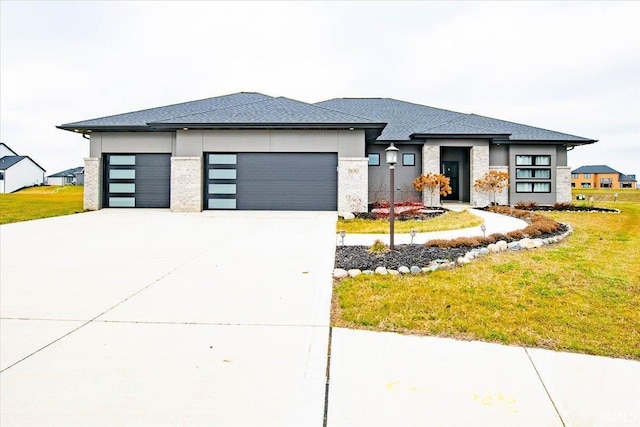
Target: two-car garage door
243	181
271	181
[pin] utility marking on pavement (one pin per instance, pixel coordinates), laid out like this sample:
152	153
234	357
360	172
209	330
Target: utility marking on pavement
544	386
106	311
485	398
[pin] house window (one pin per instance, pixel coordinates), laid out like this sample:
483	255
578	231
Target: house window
575	175
533	187
531	160
527	178
533	173
374	159
408	159
585	185
2	176
68	179
587	175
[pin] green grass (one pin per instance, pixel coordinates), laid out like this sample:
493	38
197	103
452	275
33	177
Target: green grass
40	202
447	221
581	295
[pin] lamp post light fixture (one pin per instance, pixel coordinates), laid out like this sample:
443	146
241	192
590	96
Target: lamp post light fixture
391	153
483	227
342	234
413	234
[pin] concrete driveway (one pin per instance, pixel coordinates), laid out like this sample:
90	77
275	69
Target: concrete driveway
146	317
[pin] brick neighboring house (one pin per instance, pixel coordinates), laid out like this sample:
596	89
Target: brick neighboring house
250	151
601	176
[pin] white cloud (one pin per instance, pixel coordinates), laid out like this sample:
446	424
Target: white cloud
568	66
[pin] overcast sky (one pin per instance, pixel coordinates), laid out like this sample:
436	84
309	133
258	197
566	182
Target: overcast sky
572	67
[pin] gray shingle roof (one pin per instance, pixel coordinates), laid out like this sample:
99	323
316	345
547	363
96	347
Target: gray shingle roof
274	111
405	119
624	177
399	120
142	117
67	172
7	161
594	169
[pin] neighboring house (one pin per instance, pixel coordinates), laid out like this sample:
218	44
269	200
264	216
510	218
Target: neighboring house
73	176
17	172
253	151
601	176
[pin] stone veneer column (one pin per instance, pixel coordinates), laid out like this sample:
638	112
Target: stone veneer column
502	198
186	184
353	184
430	164
563	184
92	188
479	166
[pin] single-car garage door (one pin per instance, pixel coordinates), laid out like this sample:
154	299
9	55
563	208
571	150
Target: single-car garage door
272	181
137	180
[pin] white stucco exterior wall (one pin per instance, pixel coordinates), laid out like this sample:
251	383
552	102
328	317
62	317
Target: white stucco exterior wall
353	184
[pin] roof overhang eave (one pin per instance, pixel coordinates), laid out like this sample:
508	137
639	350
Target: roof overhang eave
89	129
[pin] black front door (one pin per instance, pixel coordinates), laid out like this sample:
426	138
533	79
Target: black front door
450	170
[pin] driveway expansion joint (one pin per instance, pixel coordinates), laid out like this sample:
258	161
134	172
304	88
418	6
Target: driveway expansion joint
544	386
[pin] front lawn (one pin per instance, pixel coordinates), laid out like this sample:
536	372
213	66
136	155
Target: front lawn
40	202
581	295
447	221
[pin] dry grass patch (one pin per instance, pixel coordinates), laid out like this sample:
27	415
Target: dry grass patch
581	296
447	221
40	202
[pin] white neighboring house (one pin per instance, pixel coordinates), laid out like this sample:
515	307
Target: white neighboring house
74	176
17	172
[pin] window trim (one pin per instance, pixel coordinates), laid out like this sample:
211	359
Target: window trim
413	159
532	186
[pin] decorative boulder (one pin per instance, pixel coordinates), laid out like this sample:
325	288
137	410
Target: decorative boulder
381	270
340	273
346	215
354	272
404	269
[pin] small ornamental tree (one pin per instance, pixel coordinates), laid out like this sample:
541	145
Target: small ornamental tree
432	182
492	182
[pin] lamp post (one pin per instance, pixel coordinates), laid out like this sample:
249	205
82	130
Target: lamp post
391	153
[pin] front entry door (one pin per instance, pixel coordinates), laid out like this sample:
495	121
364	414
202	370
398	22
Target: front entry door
450	170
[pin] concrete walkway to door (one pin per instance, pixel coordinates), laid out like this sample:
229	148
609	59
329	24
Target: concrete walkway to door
146	317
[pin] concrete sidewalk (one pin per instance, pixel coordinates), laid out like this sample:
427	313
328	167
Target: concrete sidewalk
494	223
386	379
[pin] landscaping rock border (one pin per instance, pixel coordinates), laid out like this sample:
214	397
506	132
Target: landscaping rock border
417	259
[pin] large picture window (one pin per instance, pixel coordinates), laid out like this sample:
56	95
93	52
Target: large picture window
374	159
528	178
